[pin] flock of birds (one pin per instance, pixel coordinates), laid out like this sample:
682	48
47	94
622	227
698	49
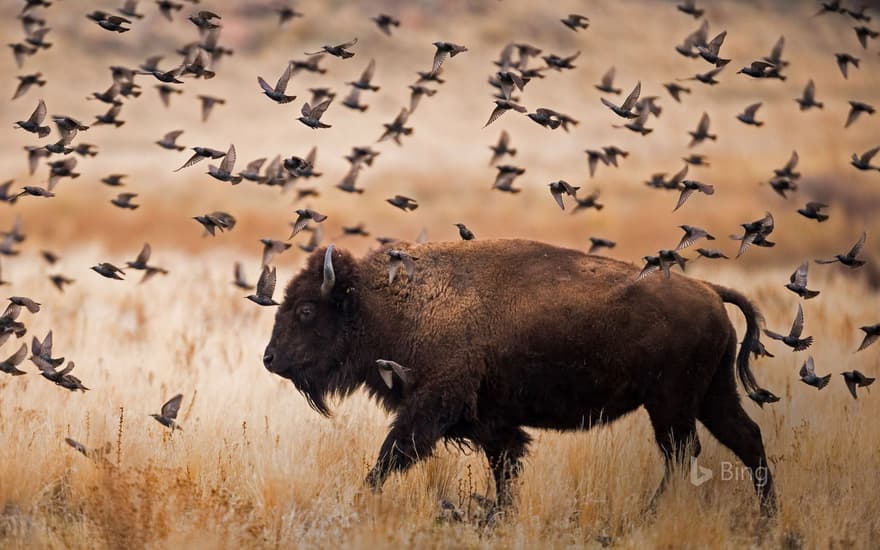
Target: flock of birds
516	66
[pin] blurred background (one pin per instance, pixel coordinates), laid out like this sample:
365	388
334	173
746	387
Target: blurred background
445	163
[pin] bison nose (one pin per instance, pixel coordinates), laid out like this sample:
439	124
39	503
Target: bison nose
268	357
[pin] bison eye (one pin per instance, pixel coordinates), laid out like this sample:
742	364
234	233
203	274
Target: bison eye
306	312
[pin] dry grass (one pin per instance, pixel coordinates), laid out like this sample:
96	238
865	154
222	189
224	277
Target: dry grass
254	466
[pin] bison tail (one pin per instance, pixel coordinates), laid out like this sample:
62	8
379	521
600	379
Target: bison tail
751	340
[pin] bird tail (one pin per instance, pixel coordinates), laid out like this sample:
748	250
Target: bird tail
823	381
750	341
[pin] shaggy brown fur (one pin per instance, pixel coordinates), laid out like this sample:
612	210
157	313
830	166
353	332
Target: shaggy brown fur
505	334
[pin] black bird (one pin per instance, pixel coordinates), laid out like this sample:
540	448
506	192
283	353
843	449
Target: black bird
216	220
562	187
169	141
286	14
808	375
762	69
812	210
61	378
711	51
32	124
26	82
707	77
594	158
355	230
638	124
227	165
501	107
397	127
606	84
856	108
364	82
863	33
8	366
265	288
691	235
598	243
863	162
702	132
872	333
168	415
756	233
551	119
352	101
208	102
204	20
415	96
200	154
277	94
775	57
712	254
787	171
60	281
675	90
505	177
502	148
590	201
850	259
110	22
404	203
108	270
830	6
575	22
625	110
793	338
689	187
398	259
110	117
559	63
140	263
340	50
690	7
465	233
844	60
123	200
385	22
303	217
444	50
855	379
762	397
311	116
349	181
798	282
808	98
748	115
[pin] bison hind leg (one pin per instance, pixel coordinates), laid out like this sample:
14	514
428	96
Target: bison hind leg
676	435
505	448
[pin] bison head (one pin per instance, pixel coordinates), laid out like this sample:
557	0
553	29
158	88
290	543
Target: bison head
314	327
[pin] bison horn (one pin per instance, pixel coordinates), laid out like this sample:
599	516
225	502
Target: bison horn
329	274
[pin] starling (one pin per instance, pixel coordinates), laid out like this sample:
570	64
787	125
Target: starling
863	162
691	235
856	109
465	233
168	414
598	243
123	200
688	187
224	171
265	288
702	132
797	283
812	210
216	220
854	379
340	50
385	22
625	110
808	97
397	128
277	94
793	338
304	216
444	50
562	187
32	124
311	116
200	154
169	141
575	22
404	203
850	259
872	333
748	115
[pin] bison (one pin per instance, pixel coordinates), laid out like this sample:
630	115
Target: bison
499	335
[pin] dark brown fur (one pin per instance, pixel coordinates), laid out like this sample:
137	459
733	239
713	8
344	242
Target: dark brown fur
501	335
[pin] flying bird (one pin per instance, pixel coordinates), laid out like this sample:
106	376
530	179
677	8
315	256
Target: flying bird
265	288
809	377
702	132
606	84
9	365
793	338
311	116
304	216
402	202
224	171
872	333
756	233
339	50
169	141
748	115
863	162
598	243
168	415
562	187
797	283
216	220
711	51
501	107
200	154
857	108
277	93
689	187
33	123
502	148
844	60
691	235
385	22
812	210
855	379
444	50
850	259
808	97
625	110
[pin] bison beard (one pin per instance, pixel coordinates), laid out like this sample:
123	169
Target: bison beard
502	335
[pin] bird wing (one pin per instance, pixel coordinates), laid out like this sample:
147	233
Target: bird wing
632	97
685	193
144	255
504	140
348	44
608	78
228	162
773	335
676	179
808	368
797	327
869	339
66	370
39	113
255	165
281	85
868	155
238	270
647	270
172	136
857	248
776	52
170	408
557	196
266	284
841	63
792	162
751	110
715	45
439	57
265	85
703	126
810	91
496	112
851	384
320	108
852	116
17	357
799	277
367	75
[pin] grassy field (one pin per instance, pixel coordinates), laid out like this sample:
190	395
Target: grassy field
254	466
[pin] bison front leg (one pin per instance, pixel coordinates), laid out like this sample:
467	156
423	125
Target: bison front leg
504	451
413	436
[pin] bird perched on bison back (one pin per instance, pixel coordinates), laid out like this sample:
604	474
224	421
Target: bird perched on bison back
339	316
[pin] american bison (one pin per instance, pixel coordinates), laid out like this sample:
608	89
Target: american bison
498	335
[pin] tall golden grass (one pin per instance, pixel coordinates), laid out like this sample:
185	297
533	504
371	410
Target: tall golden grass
254	466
